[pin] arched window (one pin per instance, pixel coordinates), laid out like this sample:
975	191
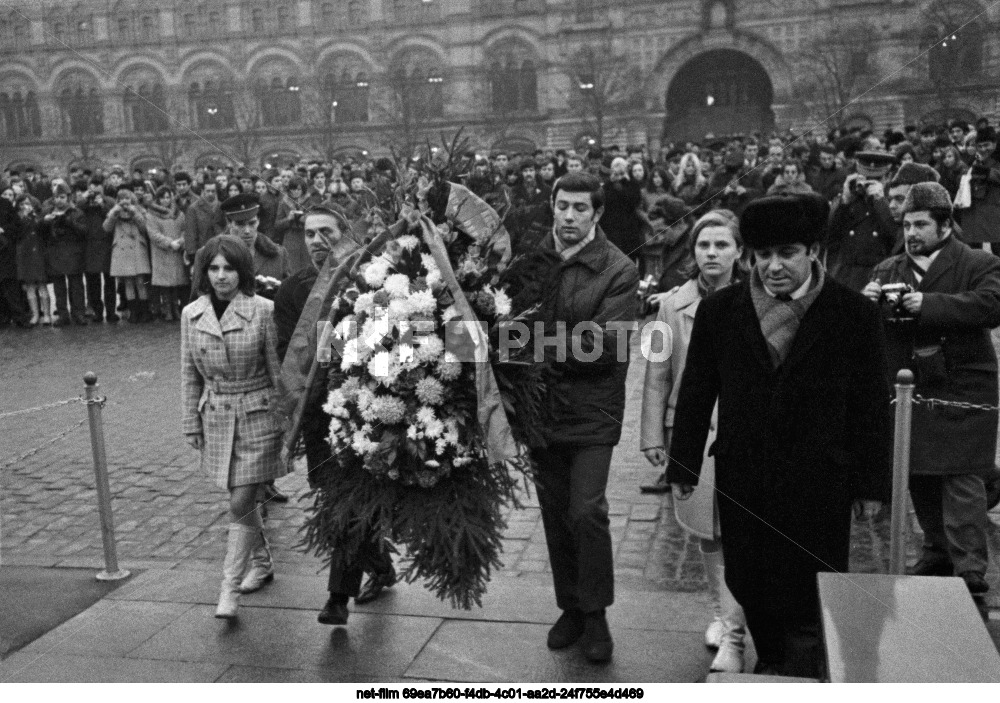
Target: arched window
211	104
953	39
14	30
145	109
347	93
279	101
513	81
81	108
19	116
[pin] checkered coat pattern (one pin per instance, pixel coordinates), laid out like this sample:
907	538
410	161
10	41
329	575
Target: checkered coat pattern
242	436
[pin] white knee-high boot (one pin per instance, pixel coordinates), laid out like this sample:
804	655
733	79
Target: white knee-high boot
729	623
261	571
241	542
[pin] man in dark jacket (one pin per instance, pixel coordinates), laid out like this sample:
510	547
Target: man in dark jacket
597	287
954	304
63	229
734	185
101	294
826	179
797	363
203	220
323	229
622	219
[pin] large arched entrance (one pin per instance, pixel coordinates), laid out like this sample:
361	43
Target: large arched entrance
720	92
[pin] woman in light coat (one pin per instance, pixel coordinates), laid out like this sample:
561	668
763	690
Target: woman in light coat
229	373
130	252
718	260
166	234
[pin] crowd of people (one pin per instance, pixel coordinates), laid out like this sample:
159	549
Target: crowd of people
56	229
769	418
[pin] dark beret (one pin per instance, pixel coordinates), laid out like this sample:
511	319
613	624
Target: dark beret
912	173
777	220
671	209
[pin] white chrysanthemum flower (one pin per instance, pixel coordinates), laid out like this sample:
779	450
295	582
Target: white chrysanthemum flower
433	278
425	415
423	301
440	447
378	366
413	433
365	398
408	242
449	367
430	348
390	409
376	272
400	310
433	464
434	428
335	400
430	391
501	301
397	285
362	444
365	303
451	434
460	461
428	261
451	313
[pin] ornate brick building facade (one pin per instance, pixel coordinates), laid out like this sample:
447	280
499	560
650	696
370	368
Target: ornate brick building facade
144	82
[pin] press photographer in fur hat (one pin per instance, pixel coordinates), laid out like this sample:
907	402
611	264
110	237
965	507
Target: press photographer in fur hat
948	300
796	362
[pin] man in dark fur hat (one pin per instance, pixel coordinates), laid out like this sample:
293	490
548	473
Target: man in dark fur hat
797	363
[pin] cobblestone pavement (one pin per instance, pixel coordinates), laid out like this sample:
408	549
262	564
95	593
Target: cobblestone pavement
168	514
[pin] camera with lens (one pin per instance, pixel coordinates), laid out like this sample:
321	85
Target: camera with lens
859	188
647	287
891	298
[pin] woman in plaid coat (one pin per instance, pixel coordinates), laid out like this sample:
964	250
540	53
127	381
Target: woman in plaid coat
229	370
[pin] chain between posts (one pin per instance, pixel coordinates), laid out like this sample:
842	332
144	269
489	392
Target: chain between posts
39	448
47	406
937	402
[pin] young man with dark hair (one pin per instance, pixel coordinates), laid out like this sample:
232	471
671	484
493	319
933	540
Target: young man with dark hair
597	286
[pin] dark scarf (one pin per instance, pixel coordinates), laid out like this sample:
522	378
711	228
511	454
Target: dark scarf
780	319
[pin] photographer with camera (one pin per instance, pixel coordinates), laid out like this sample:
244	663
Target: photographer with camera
981	218
938	325
861	232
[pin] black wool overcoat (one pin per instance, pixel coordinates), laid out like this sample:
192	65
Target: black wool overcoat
795	445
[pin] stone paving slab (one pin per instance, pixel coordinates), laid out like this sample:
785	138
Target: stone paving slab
28	667
501	651
371	648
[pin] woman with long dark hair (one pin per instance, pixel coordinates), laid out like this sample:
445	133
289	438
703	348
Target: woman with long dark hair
229	375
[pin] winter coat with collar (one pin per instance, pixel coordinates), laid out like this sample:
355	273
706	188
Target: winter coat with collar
99	240
795	445
587	398
242	435
861	234
950	351
130	250
67	241
165	227
721	179
292	233
203	220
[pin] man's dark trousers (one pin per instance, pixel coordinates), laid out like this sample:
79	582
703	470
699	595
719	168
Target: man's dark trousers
101	298
571	484
951	510
76	299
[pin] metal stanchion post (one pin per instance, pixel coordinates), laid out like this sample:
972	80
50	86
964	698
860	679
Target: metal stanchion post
111	571
899	527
